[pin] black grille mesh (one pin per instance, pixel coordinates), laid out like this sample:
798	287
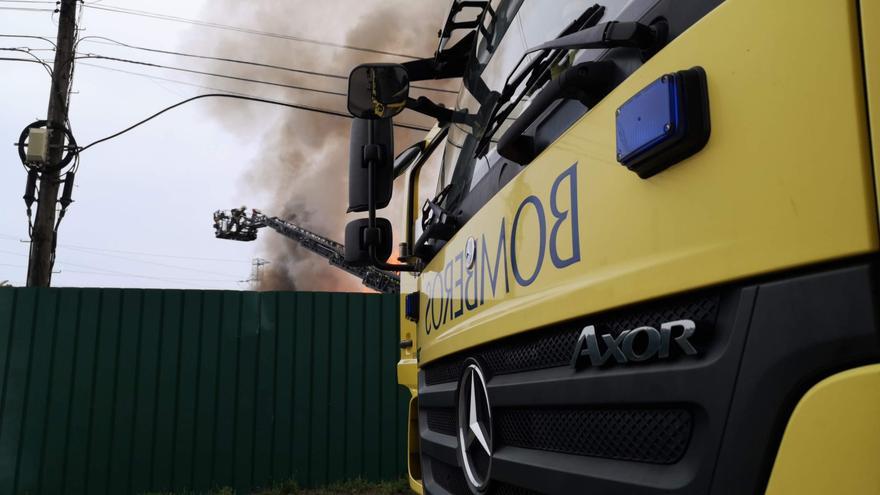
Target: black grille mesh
447	370
554	345
658	436
505	489
451	479
441	420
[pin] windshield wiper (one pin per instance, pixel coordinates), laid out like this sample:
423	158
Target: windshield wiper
537	71
587	82
612	34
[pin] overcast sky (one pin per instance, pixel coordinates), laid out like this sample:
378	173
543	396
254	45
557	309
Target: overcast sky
143	201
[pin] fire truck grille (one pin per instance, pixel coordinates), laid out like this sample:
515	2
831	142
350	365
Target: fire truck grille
441	420
505	489
658	436
451	479
553	346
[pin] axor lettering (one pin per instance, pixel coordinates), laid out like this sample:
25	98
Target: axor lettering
638	344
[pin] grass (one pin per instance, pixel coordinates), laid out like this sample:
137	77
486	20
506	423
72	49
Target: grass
353	487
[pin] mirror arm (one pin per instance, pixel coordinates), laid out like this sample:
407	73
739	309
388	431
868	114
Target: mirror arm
425	106
391	267
371	246
447	64
400	168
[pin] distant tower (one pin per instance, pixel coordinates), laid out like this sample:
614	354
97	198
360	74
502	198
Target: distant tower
257	272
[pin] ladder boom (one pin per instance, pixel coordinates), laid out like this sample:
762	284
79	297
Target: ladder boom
239	226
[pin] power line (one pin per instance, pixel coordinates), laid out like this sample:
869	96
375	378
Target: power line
214	25
27	9
109	272
112	42
211	88
27	51
183	280
175	81
161	279
165	79
106	271
156	255
147	262
212	74
10	59
228	94
240	97
116	273
11	238
28	36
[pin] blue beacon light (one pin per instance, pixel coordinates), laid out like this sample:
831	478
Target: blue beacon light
664	123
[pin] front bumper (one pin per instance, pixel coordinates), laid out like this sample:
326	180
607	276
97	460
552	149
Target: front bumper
709	423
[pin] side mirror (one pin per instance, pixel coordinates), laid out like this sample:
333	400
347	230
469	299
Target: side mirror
371	141
359	237
377	91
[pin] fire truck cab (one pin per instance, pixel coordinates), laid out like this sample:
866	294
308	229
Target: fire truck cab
647	258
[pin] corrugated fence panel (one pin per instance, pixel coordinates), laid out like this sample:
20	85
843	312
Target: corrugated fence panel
108	391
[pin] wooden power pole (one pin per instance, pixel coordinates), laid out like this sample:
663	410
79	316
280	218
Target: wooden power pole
42	255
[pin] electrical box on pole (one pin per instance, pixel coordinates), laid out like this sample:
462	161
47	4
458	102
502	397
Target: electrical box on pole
38	145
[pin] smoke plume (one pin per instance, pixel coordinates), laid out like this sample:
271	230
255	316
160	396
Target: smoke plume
301	170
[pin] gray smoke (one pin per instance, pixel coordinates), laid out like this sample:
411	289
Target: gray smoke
302	168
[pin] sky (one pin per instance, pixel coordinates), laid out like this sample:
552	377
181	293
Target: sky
142	215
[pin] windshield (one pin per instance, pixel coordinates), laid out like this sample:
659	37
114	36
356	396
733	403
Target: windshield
516	26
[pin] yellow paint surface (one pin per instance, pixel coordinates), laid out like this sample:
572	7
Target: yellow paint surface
869	16
785	180
832	440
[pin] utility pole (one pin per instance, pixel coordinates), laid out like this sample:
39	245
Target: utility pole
42	254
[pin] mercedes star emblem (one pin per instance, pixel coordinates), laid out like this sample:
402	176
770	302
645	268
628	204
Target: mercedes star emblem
470	252
475	428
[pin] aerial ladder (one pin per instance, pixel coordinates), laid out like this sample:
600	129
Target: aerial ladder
237	225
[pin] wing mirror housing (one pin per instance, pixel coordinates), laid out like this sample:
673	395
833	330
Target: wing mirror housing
377	91
360	237
371	144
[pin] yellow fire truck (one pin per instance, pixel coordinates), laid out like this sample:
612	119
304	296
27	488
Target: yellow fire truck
649	264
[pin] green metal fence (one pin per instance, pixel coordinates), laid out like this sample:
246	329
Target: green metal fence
110	391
